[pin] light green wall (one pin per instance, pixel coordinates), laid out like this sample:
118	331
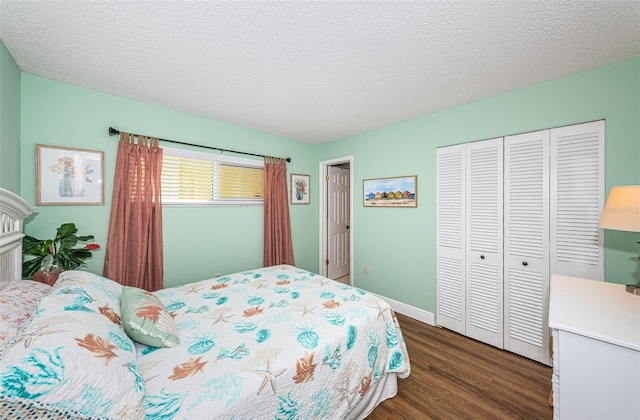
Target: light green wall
198	242
9	121
399	245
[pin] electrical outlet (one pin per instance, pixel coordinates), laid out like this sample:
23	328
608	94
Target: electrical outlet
366	269
218	274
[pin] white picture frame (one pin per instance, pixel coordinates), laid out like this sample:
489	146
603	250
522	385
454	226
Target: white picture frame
392	192
67	176
300	189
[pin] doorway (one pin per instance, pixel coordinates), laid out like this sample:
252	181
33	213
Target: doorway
336	228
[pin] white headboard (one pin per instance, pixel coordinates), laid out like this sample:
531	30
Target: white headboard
13	210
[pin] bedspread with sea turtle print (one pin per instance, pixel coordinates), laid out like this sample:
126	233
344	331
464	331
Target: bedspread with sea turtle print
277	342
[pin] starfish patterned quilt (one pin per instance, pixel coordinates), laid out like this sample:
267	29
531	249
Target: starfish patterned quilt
271	343
277	342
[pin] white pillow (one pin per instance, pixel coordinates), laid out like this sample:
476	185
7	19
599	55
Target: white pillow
73	356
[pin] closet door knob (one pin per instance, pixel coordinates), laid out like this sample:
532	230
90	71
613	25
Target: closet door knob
482	257
525	263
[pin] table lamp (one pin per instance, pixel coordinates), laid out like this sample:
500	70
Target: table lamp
622	212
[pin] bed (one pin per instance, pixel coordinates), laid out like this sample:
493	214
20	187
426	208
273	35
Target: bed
273	342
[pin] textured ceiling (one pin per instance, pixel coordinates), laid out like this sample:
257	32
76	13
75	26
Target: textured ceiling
315	71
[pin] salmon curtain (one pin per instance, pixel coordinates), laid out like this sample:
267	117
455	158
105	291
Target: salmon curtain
134	243
278	246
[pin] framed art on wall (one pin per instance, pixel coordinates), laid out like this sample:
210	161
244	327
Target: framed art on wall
300	189
399	191
66	176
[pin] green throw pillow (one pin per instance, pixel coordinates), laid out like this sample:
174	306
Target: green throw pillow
146	320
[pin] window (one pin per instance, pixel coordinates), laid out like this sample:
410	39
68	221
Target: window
205	179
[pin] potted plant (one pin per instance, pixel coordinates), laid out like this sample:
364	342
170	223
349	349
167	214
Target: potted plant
57	254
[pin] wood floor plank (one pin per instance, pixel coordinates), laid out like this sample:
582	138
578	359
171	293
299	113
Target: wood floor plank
453	376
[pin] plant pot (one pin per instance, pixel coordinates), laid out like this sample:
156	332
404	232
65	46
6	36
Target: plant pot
47	277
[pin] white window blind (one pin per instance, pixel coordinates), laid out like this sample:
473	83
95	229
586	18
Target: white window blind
195	179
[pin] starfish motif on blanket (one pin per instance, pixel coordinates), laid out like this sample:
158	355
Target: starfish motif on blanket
218	315
304	307
306	310
260	284
381	310
343	391
347	393
223	317
269	377
192	288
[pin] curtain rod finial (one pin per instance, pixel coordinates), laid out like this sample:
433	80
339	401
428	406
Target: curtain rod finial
113	131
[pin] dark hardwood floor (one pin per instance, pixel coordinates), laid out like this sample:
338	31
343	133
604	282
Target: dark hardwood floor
455	377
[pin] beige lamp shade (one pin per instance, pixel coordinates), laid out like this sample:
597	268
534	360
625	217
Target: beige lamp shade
622	210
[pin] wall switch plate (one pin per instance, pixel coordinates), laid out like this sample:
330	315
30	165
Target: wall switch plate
366	269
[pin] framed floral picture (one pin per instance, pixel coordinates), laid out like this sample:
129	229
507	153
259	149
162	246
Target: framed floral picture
66	176
300	189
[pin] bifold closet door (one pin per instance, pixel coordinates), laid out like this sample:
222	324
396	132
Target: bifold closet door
526	244
577	199
484	248
511	212
450	238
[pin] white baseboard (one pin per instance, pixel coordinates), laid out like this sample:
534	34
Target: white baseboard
410	311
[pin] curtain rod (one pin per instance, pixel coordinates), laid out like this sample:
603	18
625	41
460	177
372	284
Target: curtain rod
114	132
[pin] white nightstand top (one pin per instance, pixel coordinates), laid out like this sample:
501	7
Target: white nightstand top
595	309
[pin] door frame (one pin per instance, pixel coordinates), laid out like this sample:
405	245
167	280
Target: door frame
324	198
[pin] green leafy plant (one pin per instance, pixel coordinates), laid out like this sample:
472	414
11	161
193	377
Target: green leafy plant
62	248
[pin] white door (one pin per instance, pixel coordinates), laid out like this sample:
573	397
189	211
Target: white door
577	199
526	245
450	234
338	222
484	248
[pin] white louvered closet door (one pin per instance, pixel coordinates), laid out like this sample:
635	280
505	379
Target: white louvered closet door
577	198
450	234
484	252
526	244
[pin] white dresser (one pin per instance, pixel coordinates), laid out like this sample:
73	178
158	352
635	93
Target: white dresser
596	349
